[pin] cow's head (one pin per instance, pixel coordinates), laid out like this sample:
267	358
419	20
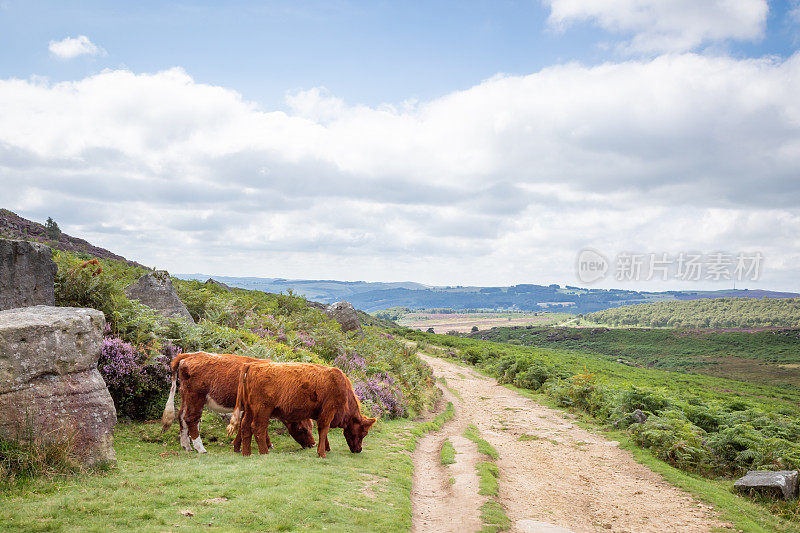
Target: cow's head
302	432
356	430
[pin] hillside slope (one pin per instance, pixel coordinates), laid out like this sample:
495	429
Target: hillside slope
709	313
13	226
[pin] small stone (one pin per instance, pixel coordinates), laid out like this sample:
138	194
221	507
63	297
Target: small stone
784	481
186	512
215	500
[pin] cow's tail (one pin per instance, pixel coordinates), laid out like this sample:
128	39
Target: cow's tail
238	410
169	410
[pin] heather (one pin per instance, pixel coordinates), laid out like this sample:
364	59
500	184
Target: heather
389	378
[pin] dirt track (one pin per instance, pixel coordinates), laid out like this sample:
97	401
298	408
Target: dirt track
559	478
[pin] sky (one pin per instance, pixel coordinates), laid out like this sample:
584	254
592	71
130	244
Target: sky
448	143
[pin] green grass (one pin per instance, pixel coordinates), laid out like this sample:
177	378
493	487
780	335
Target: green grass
527	436
288	489
487	476
494	517
483	447
437	423
448	453
454	392
492	513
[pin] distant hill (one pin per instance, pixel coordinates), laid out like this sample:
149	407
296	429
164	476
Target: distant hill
376	296
322	290
13	226
708	313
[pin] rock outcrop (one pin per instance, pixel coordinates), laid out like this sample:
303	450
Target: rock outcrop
155	290
783	482
345	314
27	271
50	387
17	227
214	283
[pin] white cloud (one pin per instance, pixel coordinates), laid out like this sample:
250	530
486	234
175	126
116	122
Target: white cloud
510	177
667	26
72	47
794	13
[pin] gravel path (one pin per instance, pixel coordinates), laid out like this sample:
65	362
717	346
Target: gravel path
559	477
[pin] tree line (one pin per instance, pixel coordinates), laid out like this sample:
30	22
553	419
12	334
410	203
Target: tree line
706	313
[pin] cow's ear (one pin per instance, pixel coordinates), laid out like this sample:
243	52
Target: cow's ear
367	422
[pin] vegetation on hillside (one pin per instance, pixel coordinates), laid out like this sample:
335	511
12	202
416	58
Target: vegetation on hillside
391	381
698	423
707	313
769	357
13	226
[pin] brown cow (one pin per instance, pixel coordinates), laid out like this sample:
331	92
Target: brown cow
293	392
211	380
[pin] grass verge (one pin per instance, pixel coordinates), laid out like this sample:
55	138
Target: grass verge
156	486
483	447
435	424
448	453
493	515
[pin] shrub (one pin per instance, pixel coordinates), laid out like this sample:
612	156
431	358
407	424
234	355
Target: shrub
379	392
645	400
673	439
137	386
381	395
582	391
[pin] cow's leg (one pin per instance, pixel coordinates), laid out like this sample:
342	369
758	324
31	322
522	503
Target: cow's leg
323	425
237	442
184	427
246	431
327	445
192	415
261	428
246	420
196	442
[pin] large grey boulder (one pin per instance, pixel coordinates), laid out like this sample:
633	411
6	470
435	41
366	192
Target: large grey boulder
211	282
27	271
50	387
345	314
783	481
155	290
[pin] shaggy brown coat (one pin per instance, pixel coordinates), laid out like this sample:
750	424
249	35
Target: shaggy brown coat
294	392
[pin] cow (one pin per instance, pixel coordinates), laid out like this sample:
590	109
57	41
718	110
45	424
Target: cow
295	392
211	380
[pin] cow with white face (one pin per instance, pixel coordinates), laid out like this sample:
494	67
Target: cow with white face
210	380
